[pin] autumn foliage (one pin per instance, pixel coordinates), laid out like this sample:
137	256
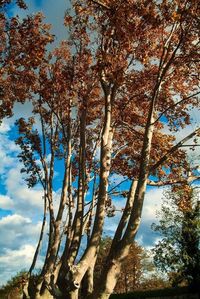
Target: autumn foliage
19	55
106	101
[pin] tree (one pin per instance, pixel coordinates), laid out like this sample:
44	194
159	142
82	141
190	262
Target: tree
110	88
19	57
132	268
137	273
13	288
178	252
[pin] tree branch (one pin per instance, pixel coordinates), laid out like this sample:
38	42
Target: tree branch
174	148
100	3
174	105
190	179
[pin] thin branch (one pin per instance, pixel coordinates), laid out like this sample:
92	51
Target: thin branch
127	126
174	105
174	148
100	3
109	192
190	179
189	145
40	238
119	150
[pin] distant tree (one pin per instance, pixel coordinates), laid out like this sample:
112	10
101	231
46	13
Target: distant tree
13	288
178	253
137	272
132	270
154	281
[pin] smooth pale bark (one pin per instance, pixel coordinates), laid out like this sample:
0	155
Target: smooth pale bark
54	228
88	281
73	240
89	277
72	295
125	216
78	219
119	252
26	285
40	238
105	164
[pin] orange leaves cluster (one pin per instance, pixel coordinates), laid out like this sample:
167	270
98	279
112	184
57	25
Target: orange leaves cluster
22	51
185	194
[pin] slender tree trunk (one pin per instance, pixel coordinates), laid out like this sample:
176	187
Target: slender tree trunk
40	238
73	294
78	219
117	255
88	281
105	164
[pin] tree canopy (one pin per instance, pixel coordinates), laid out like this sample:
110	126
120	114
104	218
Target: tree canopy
179	225
102	102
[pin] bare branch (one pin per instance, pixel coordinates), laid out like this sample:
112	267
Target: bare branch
176	104
116	186
100	3
188	180
174	148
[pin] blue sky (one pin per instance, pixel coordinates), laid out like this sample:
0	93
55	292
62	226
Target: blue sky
20	207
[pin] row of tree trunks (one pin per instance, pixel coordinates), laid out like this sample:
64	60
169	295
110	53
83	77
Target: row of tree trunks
86	265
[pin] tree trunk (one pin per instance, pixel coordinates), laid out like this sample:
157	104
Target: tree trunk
105	164
119	252
101	295
88	282
72	295
44	295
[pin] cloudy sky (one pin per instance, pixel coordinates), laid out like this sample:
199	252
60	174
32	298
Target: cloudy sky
20	207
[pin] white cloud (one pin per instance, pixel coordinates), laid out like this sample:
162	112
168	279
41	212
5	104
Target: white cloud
6	202
7	149
16	260
22	196
25	253
13	220
18	196
152	203
15	230
4	127
19	236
